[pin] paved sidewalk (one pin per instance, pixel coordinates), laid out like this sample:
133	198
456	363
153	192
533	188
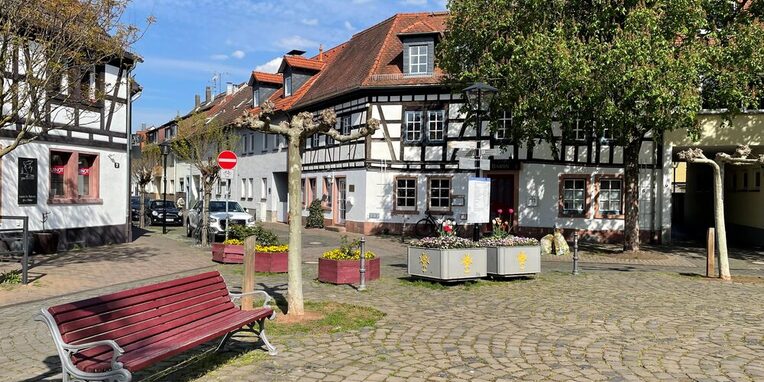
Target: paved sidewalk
615	322
150	255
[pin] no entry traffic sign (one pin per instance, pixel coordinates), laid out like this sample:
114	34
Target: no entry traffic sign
227	160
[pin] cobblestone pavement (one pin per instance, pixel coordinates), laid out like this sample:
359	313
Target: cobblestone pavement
615	322
150	255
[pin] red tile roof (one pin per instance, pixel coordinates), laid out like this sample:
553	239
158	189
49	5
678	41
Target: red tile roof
271	78
374	58
302	62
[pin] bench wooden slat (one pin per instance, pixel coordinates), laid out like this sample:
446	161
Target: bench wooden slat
121	327
154	333
84	304
210	291
114	305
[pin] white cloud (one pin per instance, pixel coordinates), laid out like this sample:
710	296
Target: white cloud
271	66
296	42
310	22
219	57
414	2
349	26
238	54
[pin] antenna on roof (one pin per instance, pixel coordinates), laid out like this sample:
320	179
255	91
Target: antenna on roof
217	82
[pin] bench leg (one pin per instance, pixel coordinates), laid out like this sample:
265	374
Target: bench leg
224	341
261	333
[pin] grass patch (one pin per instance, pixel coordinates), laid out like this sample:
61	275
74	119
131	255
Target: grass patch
420	283
11	277
334	318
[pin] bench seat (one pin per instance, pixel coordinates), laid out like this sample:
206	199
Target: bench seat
147	325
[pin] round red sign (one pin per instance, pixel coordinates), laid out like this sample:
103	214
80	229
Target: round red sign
227	160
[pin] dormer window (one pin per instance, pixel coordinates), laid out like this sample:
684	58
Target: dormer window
418	59
287	86
256	98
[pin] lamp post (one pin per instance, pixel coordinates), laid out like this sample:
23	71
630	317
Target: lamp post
479	96
165	147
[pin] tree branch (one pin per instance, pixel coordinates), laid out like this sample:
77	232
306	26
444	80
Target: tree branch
262	121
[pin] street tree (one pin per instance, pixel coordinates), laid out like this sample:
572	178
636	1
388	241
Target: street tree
199	142
627	70
143	170
48	54
296	131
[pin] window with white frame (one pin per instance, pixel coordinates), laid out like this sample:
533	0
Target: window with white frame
256	98
263	188
314	139
328	190
607	134
243	188
610	197
574	196
578	130
504	125
345	124
287	86
252	142
265	141
413	125
73	175
440	194
436	125
418	59
405	193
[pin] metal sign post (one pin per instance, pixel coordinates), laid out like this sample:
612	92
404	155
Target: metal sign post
227	161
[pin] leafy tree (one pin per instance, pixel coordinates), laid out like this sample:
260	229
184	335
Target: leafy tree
55	45
300	127
632	67
143	170
199	142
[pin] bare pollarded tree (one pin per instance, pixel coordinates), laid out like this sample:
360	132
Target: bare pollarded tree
143	170
49	51
296	131
740	158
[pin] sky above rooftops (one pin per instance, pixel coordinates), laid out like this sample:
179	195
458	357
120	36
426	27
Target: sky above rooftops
195	41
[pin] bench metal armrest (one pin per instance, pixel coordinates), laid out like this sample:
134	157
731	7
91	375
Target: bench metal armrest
117	350
236	296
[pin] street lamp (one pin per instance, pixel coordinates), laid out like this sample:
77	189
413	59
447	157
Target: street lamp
165	147
479	96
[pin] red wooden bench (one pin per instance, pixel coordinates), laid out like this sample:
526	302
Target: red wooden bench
112	336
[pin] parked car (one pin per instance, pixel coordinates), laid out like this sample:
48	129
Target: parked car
155	213
135	207
237	215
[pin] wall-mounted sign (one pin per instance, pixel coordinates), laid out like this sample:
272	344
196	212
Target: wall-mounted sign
27	180
478	200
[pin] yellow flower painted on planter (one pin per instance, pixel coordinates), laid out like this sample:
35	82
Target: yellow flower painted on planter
467	262
521	259
424	260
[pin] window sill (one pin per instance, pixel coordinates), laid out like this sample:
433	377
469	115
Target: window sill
74	201
405	212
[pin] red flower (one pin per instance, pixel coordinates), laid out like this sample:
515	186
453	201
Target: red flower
511	211
500	211
447	229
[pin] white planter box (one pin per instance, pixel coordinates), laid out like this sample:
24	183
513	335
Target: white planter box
508	261
447	264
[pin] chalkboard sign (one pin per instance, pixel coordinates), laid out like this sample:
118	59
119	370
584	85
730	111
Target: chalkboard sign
27	181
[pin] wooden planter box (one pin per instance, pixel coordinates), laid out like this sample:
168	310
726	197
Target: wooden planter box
271	262
447	264
228	253
346	271
509	261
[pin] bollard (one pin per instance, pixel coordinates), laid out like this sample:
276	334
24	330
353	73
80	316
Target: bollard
403	230
248	284
575	253
710	253
362	284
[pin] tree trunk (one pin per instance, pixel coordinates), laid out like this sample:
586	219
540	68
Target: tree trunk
721	230
206	213
631	180
294	289
142	207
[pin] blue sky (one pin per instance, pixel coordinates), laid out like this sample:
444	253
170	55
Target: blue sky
193	39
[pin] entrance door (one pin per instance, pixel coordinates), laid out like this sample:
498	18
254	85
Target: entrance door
341	201
502	195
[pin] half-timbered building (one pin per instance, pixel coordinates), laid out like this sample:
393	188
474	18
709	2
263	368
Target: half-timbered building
74	178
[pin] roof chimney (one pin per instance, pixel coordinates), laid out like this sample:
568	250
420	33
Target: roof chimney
321	53
229	88
197	101
207	94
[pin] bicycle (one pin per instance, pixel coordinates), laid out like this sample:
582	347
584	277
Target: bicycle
426	226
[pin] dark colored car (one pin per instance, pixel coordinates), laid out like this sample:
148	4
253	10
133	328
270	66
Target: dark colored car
135	207
155	211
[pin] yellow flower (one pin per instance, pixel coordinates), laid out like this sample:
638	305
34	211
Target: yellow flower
338	254
233	242
272	248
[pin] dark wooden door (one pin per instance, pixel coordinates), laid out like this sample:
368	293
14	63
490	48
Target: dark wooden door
502	195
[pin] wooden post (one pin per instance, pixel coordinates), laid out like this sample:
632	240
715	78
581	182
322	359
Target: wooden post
710	253
248	283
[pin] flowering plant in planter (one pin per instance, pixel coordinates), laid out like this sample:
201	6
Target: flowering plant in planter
508	241
443	242
446	227
271	248
342	266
